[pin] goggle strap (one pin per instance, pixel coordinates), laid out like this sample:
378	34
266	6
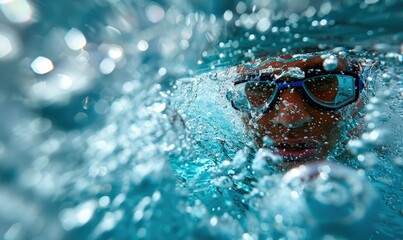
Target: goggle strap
282	85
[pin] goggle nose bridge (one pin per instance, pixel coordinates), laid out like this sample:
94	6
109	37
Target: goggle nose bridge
282	85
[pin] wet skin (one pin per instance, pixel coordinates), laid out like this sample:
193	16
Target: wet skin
301	130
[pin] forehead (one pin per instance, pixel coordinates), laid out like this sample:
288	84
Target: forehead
309	63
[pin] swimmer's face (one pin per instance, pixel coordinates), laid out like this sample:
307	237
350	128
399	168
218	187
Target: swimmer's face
301	130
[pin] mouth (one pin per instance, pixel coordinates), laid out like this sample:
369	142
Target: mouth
296	149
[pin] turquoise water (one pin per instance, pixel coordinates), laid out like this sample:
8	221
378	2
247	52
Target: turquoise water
115	123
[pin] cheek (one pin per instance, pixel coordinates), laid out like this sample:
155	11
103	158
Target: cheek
326	121
265	125
328	126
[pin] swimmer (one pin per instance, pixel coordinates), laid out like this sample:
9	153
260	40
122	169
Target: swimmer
297	102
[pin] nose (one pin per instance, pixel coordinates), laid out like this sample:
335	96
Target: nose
290	110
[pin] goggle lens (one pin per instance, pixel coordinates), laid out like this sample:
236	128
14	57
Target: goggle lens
331	91
260	93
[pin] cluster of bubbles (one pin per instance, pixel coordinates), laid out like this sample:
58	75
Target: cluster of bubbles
315	201
98	139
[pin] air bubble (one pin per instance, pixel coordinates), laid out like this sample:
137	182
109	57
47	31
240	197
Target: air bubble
330	63
267	141
239	160
223	182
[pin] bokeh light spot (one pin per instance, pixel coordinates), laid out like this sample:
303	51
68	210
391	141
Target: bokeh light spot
107	66
155	12
17	11
5	46
228	15
142	45
42	65
75	39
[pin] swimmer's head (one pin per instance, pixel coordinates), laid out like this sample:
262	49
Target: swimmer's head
297	101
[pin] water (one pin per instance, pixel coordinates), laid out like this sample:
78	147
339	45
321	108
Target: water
116	125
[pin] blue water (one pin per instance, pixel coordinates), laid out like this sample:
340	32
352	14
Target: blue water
115	123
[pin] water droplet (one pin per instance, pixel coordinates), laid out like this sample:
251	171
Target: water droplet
295	72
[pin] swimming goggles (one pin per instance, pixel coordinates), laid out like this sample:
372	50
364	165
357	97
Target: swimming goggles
330	91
